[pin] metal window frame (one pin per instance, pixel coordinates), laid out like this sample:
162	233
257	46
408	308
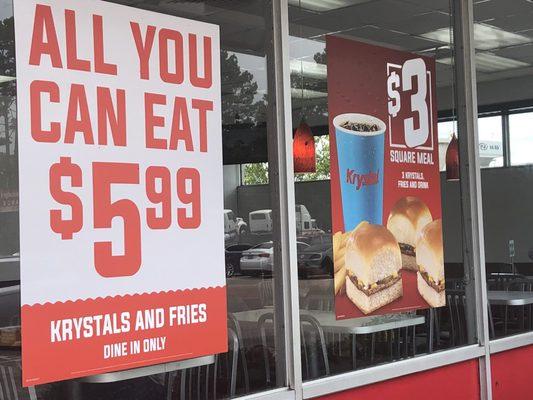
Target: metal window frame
276	394
281	178
470	184
506	139
511	342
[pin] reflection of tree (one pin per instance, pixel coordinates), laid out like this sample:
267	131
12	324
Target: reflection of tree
243	117
322	162
238	93
255	174
8	121
314	111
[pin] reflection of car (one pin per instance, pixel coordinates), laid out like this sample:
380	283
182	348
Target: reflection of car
233	258
234	227
242	226
316	259
259	259
260	221
316	238
230	231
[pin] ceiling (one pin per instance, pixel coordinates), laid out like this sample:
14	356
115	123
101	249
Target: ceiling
503	32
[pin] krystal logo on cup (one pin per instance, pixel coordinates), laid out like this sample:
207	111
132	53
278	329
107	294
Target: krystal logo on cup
360	149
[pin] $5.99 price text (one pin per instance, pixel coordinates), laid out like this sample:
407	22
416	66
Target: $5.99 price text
162	187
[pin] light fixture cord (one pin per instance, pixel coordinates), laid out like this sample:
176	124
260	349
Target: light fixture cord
302	111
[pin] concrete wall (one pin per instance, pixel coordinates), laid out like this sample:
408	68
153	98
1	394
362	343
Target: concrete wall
232	180
507	203
499	91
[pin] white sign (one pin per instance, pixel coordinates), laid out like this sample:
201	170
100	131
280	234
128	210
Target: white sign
121	198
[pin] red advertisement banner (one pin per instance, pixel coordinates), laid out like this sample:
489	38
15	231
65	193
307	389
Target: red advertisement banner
385	180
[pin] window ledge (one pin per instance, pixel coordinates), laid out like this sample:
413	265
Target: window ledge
350	380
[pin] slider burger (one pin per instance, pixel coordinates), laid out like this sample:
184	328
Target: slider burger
407	218
373	262
430	260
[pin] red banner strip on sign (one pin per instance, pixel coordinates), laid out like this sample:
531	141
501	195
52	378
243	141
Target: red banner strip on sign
94	336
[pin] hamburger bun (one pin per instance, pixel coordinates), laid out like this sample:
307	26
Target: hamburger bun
430	261
406	220
373	262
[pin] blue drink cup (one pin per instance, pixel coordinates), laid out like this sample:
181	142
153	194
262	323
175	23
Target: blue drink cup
360	158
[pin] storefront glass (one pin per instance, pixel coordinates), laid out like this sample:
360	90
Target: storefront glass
415	28
254	362
503	66
422	302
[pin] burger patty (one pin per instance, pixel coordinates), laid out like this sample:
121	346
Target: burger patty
433	284
407	249
379	285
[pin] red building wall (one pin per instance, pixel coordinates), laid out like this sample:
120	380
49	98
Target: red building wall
512	377
453	382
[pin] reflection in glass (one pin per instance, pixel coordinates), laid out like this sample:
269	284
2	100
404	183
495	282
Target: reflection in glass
329	346
521	138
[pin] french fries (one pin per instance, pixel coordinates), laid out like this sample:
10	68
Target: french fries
340	278
339	251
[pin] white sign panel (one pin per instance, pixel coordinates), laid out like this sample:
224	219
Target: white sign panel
121	198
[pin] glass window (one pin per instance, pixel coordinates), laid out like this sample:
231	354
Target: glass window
420	29
246	34
446	131
521	138
504	82
9	240
490	141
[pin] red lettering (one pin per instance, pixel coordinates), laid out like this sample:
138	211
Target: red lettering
181	127
53	135
166	35
109	115
73	62
43	25
100	65
207	80
203	106
78	102
152	121
144	48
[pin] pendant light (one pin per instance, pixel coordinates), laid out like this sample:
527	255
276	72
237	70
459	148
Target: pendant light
304	142
452	160
304	149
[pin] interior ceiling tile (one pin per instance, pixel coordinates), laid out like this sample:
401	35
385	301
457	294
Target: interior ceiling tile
303	31
256	7
387	10
387	38
375	12
514	23
253	41
490	9
521	53
421	23
439	5
321	6
333	21
297	14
